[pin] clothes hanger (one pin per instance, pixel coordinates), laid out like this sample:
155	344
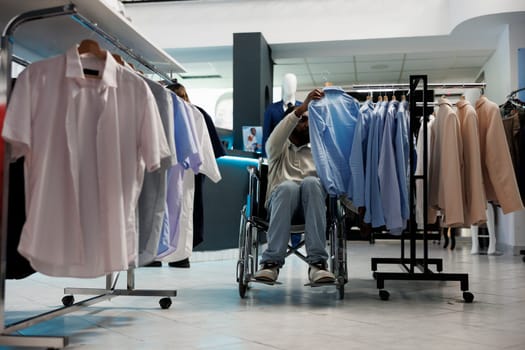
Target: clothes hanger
118	58
92	47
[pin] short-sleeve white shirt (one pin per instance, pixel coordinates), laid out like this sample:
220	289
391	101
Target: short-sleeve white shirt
86	142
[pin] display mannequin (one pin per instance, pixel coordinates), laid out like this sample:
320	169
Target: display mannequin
275	111
492	233
289	87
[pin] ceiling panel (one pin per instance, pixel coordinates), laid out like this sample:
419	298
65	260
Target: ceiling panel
430	63
377	78
438	53
379	66
297	69
331	68
470	61
342	79
380	57
335	59
295	60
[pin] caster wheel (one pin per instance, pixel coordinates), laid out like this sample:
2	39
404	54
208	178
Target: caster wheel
165	303
384	295
68	300
468	297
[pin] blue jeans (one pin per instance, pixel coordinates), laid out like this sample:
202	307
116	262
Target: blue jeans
297	203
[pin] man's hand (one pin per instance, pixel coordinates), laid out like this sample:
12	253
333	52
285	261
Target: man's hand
312	95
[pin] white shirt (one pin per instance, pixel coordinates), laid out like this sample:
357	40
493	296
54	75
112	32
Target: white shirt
86	142
209	167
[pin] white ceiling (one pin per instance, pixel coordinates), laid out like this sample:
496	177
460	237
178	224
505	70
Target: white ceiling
346	46
457	54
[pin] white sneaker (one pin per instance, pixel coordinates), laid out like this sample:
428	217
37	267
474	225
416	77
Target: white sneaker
318	273
268	272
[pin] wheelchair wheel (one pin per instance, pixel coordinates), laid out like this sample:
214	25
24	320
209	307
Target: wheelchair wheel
243	260
242	242
243	287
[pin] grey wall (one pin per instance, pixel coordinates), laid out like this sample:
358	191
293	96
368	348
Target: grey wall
252	82
252	92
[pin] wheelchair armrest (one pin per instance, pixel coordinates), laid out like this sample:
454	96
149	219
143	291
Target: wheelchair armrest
260	222
252	170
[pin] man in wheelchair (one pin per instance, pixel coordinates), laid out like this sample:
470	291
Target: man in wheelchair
294	194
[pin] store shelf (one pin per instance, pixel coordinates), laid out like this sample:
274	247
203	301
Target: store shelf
53	36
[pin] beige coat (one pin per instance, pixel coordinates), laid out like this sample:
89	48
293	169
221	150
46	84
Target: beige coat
474	200
446	166
498	172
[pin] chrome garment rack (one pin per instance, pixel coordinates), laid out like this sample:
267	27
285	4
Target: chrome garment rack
7	333
384	87
411	263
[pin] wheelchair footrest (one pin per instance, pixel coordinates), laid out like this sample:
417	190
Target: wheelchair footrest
265	282
311	284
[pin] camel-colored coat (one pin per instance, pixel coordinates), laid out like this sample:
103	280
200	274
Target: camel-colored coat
474	200
446	167
498	172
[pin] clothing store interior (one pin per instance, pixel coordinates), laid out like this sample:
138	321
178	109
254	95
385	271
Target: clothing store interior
156	230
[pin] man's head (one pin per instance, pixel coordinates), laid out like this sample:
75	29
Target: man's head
301	134
180	90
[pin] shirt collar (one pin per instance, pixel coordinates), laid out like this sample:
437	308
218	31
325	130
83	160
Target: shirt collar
481	101
294	147
333	89
462	103
74	67
443	100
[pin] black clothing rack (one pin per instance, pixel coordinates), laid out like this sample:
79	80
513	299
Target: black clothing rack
412	262
6	331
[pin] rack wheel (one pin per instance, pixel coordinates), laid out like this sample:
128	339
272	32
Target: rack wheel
165	303
68	300
384	295
468	297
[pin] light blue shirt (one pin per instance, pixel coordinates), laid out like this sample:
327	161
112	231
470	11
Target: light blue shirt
402	156
388	174
358	154
188	157
374	209
332	121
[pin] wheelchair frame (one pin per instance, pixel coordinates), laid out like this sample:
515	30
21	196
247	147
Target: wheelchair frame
253	225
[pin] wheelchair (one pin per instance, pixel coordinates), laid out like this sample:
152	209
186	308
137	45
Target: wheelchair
254	224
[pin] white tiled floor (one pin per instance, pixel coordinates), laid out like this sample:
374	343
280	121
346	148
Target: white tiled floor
208	313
